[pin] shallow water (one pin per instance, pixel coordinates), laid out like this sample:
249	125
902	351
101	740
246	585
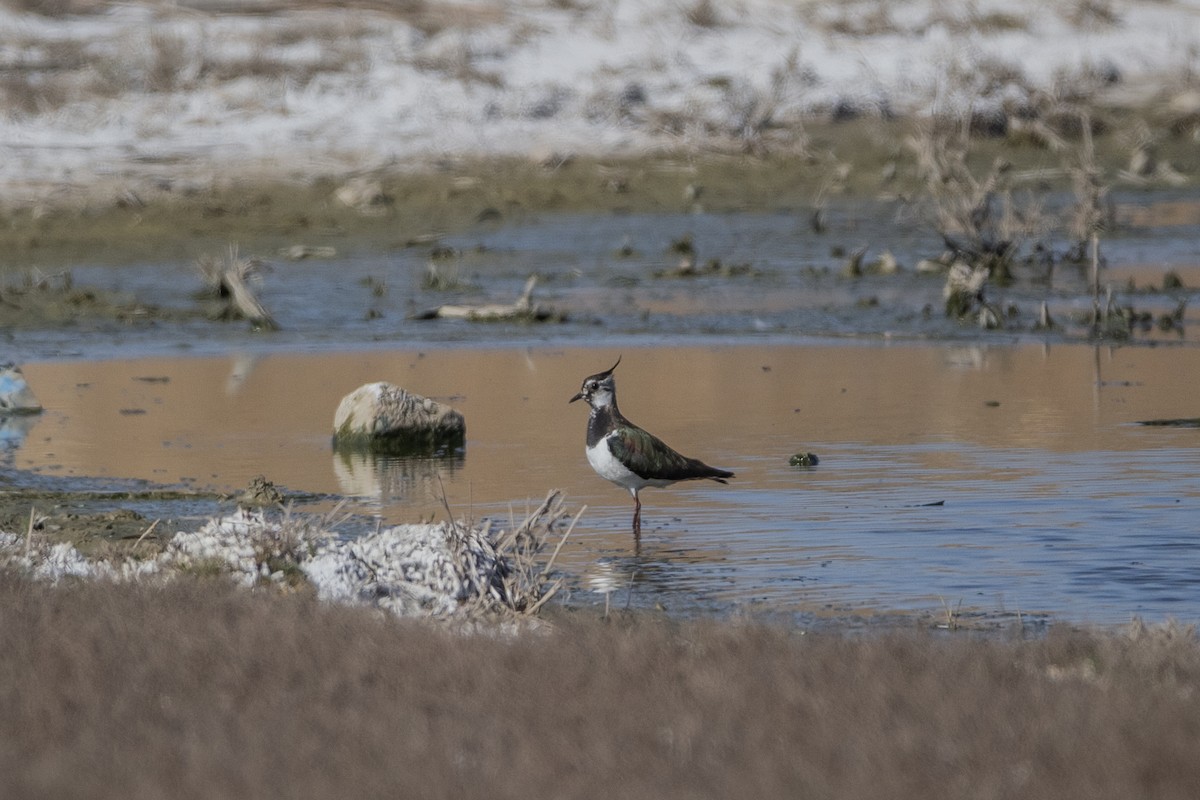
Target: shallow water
613	275
1008	479
998	472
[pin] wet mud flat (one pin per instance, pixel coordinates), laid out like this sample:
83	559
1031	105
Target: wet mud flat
1014	483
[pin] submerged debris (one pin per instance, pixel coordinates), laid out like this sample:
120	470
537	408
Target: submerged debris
1187	422
523	309
299	252
683	246
688	268
260	492
852	268
804	460
964	295
1173	320
886	264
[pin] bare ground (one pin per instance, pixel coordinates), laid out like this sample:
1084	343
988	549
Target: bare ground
199	690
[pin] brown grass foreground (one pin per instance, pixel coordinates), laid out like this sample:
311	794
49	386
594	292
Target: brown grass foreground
199	690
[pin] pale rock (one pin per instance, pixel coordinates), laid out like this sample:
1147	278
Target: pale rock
386	418
15	395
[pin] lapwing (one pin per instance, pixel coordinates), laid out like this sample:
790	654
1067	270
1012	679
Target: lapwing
628	456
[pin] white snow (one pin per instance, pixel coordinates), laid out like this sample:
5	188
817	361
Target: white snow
159	91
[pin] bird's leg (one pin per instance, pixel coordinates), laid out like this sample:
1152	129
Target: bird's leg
637	515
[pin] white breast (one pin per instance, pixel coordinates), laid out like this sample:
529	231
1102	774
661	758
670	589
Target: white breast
609	468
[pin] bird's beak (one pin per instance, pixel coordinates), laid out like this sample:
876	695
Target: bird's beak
578	396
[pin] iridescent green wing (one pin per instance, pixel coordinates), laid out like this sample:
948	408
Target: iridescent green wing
648	457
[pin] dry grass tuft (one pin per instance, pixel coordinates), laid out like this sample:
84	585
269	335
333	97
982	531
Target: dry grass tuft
528	584
199	690
975	214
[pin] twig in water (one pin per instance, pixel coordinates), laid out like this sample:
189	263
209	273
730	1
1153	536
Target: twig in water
446	504
562	541
146	532
951	616
544	598
546	595
332	518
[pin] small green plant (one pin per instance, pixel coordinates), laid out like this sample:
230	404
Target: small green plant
803	460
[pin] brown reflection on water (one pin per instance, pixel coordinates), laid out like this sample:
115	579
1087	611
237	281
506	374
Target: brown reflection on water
1161	214
217	422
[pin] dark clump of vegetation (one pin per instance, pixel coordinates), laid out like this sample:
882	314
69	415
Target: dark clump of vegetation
35	298
202	690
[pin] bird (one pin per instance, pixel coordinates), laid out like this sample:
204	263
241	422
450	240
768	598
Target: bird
630	457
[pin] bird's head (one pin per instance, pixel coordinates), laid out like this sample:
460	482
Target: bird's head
599	390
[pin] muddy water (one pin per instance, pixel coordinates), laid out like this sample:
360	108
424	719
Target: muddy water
1007	479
